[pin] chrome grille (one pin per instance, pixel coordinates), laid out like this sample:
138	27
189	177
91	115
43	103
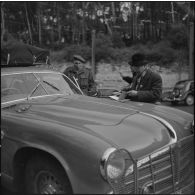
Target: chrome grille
164	174
176	92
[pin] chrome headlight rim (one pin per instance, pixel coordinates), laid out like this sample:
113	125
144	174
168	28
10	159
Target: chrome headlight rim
111	159
104	161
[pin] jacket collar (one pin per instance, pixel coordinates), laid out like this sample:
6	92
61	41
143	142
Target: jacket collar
147	74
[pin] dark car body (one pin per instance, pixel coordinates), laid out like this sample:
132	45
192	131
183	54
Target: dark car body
87	144
183	91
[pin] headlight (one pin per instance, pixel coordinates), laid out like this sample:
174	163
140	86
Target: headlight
113	163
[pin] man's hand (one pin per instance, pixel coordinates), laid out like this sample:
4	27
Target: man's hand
132	93
126	88
92	93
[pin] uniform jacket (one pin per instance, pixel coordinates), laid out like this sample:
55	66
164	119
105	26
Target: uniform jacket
149	89
84	79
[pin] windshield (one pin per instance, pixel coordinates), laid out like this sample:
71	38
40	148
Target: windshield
30	85
180	84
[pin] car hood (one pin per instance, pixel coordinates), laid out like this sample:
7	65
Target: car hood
79	111
180	120
116	124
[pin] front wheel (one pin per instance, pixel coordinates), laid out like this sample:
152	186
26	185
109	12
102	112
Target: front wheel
189	100
45	176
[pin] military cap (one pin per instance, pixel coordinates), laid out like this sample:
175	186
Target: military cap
138	59
79	58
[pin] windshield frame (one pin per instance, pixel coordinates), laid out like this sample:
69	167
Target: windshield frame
28	97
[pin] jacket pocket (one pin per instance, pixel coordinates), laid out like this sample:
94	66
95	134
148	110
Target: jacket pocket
83	81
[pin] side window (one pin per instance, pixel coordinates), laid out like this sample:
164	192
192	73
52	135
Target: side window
54	83
72	86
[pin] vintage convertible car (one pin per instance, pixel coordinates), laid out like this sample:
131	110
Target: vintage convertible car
56	140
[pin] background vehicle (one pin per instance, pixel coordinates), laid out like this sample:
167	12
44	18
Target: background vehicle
55	140
182	92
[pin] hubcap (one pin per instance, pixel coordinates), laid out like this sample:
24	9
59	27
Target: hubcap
47	183
190	100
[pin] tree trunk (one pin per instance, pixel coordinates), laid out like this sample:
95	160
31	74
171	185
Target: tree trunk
133	21
191	51
28	24
93	53
59	24
52	27
74	22
83	24
73	34
39	22
108	26
52	36
172	13
2	22
113	12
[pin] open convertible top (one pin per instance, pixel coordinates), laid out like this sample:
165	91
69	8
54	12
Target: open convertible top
15	53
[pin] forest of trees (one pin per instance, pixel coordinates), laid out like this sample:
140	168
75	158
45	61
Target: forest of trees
61	24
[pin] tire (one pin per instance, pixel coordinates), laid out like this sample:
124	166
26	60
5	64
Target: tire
45	176
189	100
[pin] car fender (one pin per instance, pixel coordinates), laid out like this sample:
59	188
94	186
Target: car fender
48	150
64	160
184	96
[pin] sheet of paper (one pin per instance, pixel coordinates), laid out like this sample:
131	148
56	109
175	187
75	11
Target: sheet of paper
114	97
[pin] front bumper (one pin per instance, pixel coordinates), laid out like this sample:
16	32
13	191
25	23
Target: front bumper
174	99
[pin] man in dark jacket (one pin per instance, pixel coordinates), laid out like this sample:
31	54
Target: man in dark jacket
146	85
81	76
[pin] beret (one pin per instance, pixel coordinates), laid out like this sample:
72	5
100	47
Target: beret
79	58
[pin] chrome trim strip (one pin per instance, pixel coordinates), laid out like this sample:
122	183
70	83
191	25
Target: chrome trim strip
23	99
73	83
38	79
164	122
4	103
47	95
51	71
104	160
30	72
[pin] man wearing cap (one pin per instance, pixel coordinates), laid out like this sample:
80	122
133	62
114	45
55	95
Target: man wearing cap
81	76
146	85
